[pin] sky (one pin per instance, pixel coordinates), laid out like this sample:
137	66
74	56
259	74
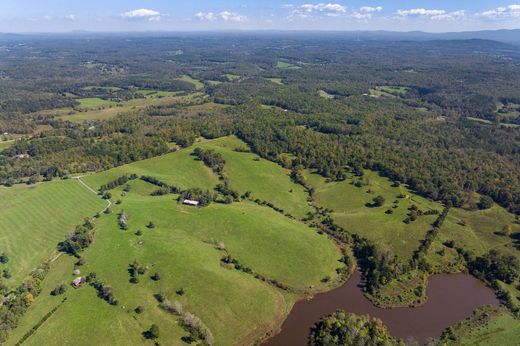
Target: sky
203	15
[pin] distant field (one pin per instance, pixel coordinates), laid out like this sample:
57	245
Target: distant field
93	102
395	90
231	77
278	81
107	113
324	94
264	179
149	93
198	84
348	203
33	219
286	65
5	145
106	88
388	91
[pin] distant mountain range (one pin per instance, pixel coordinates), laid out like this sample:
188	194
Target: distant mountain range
506	36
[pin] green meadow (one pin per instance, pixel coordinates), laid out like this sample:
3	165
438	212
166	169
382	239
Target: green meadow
94	102
182	248
33	219
179	168
350	210
186	246
500	328
265	180
198	84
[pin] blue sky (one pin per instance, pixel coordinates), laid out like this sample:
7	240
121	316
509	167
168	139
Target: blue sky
175	15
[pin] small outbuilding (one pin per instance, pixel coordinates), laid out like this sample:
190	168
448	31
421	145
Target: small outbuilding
190	202
78	282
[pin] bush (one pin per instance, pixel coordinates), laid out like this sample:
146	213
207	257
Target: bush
60	289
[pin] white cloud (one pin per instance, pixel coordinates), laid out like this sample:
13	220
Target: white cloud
226	16
511	11
366	12
450	15
142	13
420	12
370	9
432	14
309	10
71	17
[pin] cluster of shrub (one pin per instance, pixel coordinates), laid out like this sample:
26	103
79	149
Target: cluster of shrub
236	264
104	291
134	269
6	273
78	240
117	182
342	328
193	324
18	300
211	158
418	259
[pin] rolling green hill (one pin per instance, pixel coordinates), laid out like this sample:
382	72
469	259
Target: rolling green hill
33	219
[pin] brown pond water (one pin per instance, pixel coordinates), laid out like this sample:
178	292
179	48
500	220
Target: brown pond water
451	298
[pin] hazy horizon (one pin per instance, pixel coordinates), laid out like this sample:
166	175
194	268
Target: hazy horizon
60	16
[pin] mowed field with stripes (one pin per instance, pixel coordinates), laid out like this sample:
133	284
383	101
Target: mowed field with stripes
33	219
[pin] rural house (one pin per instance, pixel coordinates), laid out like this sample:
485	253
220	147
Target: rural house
190	202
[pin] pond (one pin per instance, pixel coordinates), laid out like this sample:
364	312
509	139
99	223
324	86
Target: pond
451	298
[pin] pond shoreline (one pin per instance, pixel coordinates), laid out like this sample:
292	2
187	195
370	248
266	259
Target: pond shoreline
451	298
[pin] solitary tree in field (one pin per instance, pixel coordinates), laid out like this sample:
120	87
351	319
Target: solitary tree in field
4	258
153	332
378	201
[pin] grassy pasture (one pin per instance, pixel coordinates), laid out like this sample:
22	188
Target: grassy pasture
488	326
348	203
477	231
94	102
264	179
181	248
198	84
33	219
179	168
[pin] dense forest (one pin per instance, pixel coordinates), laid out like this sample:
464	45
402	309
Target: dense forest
440	116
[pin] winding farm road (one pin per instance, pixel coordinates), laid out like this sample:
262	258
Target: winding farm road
78	178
